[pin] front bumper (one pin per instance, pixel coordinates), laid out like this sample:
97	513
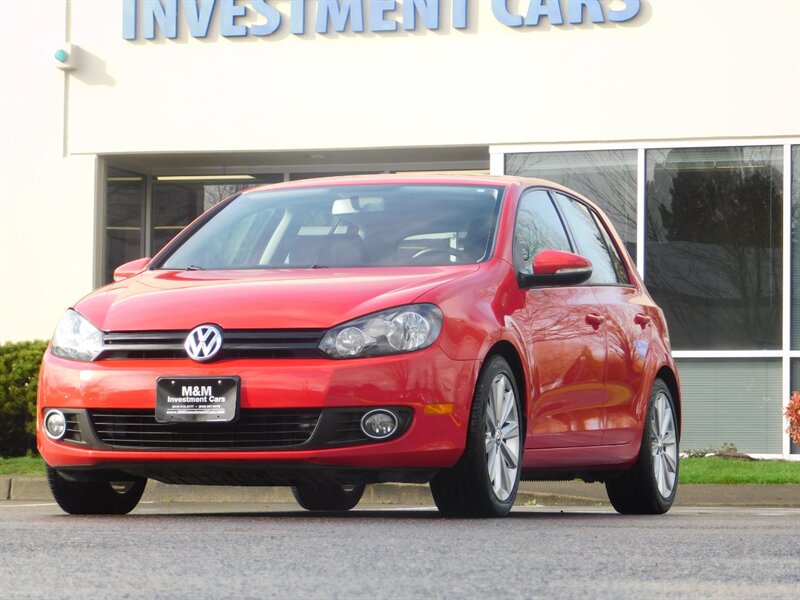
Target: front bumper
411	382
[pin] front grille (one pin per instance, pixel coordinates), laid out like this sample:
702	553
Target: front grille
73	433
255	429
266	343
348	427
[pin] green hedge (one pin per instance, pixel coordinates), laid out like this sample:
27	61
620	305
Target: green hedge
19	379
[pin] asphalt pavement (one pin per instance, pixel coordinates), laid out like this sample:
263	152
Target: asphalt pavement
249	550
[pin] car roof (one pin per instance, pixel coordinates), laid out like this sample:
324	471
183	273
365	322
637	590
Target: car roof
408	179
507	181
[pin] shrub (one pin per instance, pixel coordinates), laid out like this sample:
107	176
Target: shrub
727	450
19	378
793	416
698	453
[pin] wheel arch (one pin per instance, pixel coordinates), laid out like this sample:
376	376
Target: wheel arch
668	376
506	349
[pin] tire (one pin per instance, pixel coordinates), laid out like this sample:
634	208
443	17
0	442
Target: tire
649	487
484	482
95	497
328	496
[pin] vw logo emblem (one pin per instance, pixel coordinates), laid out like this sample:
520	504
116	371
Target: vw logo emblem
203	342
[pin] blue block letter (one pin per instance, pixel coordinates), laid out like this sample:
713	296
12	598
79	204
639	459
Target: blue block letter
198	17
228	26
500	10
459	14
626	14
165	14
129	19
377	15
593	7
272	15
298	12
547	8
427	9
339	14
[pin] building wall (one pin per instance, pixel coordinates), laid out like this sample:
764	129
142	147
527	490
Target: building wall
679	69
47	194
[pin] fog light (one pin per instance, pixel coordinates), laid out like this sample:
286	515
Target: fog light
55	425
379	424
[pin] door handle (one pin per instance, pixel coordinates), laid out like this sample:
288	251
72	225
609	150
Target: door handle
595	320
641	319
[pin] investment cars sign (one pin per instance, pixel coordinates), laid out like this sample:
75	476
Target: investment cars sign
150	18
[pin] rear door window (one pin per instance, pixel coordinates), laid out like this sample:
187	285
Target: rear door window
616	258
593	242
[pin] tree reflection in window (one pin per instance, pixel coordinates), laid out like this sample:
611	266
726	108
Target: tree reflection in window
178	203
606	177
713	255
538	228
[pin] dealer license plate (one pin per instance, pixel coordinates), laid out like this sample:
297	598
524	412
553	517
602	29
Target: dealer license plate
197	399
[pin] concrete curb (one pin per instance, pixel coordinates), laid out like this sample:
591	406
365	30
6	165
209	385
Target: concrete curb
37	489
5	488
567	493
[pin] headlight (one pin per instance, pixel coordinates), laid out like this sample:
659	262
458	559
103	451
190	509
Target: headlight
402	329
76	338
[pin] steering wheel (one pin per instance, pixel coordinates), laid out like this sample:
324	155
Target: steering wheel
448	252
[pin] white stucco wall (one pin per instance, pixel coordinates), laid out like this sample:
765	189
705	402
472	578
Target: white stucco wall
47	197
680	70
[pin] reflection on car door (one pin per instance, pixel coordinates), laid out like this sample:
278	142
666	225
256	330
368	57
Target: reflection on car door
626	323
563	327
569	349
628	332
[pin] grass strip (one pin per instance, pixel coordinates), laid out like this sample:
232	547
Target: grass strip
713	469
22	465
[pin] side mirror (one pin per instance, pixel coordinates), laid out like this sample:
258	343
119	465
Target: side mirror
129	269
554	267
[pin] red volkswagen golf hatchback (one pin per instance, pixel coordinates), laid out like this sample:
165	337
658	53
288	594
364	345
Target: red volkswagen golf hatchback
470	332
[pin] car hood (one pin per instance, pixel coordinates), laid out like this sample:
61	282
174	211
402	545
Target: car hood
262	299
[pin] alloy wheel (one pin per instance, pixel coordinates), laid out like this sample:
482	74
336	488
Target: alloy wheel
663	445
502	437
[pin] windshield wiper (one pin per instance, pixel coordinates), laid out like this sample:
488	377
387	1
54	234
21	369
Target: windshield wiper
193	268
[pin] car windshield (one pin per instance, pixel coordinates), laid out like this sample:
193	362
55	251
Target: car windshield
345	226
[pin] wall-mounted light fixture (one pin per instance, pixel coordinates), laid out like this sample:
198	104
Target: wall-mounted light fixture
65	57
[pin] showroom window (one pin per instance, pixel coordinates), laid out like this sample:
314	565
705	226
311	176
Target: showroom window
125	199
737	401
718	235
140	222
176	203
713	254
607	177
